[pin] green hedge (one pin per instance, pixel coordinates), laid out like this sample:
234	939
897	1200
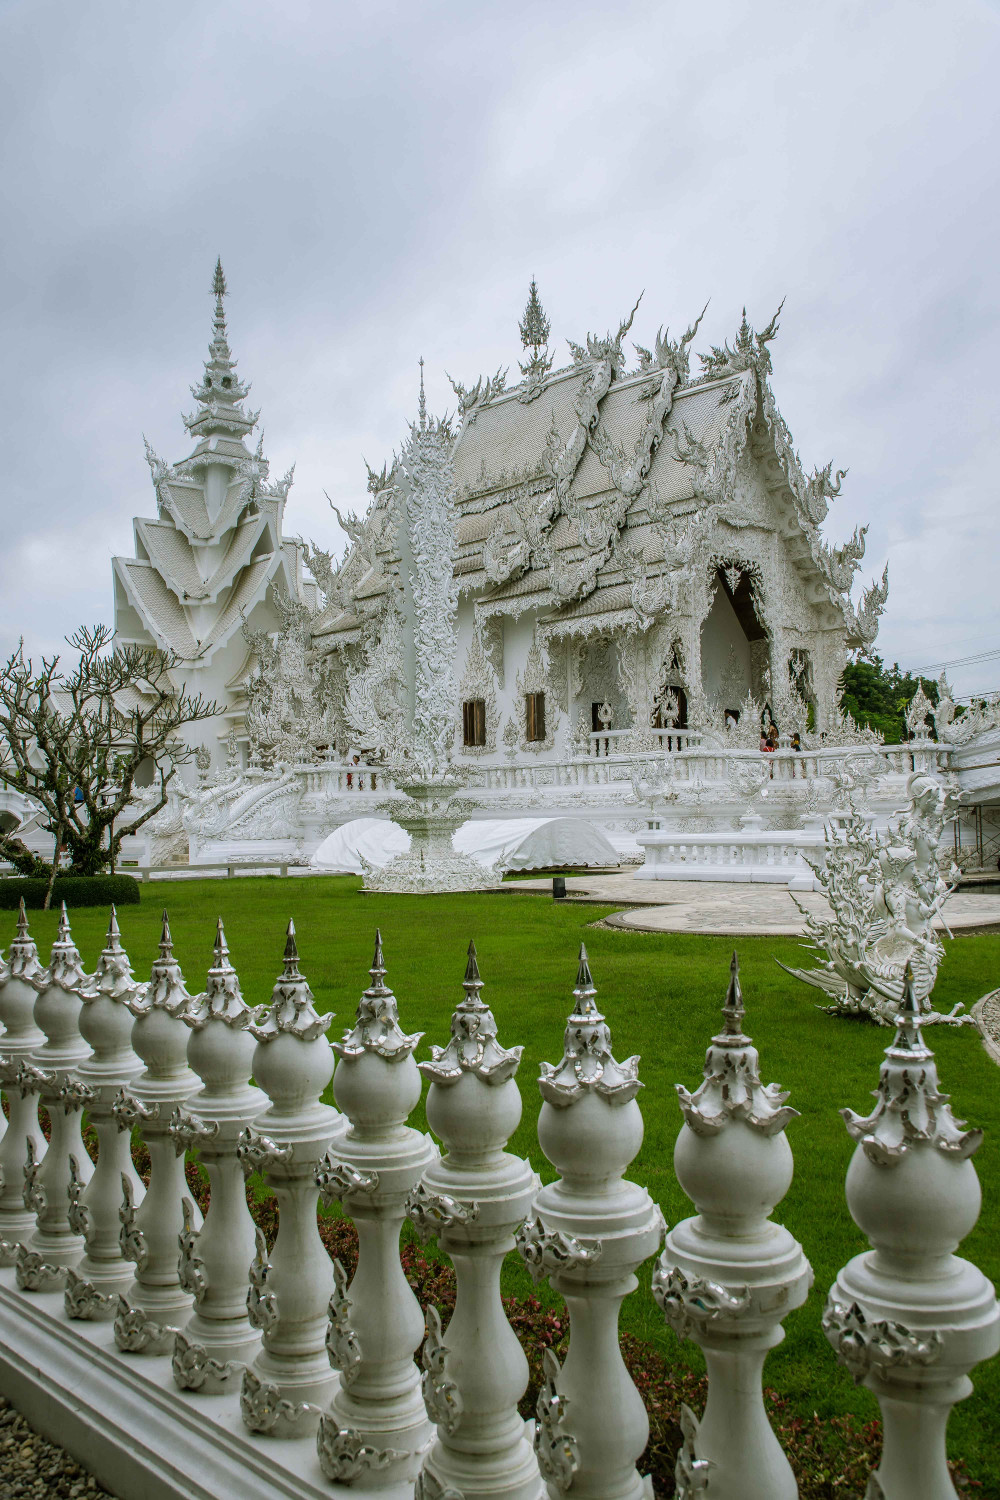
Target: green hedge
75	890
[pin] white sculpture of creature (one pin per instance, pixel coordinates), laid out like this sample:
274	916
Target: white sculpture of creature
885	891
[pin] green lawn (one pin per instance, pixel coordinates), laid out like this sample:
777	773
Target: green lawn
661	995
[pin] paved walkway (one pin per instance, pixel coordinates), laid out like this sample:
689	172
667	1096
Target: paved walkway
727	910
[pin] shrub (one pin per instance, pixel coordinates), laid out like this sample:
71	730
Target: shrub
75	890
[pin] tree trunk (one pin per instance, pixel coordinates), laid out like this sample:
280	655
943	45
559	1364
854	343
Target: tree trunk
55	870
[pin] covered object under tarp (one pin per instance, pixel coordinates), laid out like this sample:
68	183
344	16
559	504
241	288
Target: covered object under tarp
514	843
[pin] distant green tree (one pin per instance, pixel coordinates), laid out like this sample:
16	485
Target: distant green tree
879	697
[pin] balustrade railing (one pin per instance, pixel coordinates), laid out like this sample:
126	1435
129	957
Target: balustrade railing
279	1335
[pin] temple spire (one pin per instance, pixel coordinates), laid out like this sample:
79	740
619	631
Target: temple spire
422	402
534	326
534	329
221	391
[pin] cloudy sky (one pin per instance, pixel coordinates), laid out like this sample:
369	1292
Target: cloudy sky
382	180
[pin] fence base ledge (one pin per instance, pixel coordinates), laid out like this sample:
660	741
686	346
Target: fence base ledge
124	1420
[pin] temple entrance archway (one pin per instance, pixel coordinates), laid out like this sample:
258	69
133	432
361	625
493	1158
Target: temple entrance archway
734	642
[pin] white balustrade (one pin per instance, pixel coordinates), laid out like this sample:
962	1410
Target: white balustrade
377	1429
727	1276
474	1198
155	1301
54	1244
589	1232
94	1283
909	1318
218	1339
293	1062
18	989
755	856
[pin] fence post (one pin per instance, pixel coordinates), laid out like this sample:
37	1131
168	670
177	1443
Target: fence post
93	1285
54	1245
474	1198
18	988
155	1300
909	1318
589	1232
215	1264
293	1063
727	1275
377	1422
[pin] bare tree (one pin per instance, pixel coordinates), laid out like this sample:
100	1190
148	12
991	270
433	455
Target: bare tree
73	739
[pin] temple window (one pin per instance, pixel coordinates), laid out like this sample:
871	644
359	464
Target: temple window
534	717
474	722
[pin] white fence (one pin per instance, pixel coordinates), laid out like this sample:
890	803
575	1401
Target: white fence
172	1355
753	855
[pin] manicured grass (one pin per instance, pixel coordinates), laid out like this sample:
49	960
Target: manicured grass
661	995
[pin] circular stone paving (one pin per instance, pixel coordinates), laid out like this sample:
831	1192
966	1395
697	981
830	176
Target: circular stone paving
729	910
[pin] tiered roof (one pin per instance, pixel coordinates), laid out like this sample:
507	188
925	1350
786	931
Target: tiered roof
216	543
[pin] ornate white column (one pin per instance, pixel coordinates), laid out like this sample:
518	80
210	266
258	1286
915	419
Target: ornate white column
377	1429
155	1302
589	1232
474	1198
93	1285
293	1062
727	1276
218	1339
909	1318
19	978
55	1244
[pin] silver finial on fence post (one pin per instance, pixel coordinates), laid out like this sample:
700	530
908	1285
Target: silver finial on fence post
54	1245
155	1301
93	1285
909	1318
589	1231
217	1339
474	1198
377	1419
19	985
293	1062
726	1275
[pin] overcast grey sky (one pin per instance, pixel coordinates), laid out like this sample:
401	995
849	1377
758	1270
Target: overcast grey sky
382	180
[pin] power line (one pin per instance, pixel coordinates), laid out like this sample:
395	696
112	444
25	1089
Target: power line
963	661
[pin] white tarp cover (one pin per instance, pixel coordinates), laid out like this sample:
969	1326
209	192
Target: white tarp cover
378	839
535	843
517	843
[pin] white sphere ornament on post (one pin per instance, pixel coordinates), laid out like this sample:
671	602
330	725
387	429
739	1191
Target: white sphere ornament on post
474	1198
589	1231
147	1314
293	1063
377	1429
727	1276
909	1318
94	1284
217	1339
23	1144
54	1245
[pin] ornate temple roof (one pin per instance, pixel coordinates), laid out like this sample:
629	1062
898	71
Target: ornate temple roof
216	542
584	491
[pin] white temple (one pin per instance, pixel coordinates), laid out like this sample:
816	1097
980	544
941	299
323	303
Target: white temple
611	561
